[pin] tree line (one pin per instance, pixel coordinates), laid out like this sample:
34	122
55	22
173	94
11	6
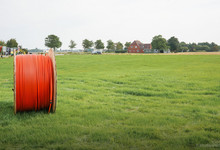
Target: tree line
10	43
158	43
174	45
52	41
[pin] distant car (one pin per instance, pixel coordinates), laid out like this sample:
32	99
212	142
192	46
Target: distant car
96	52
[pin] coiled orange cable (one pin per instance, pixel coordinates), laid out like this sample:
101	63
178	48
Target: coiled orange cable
34	82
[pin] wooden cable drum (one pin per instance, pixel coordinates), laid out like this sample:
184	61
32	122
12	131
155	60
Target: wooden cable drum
35	82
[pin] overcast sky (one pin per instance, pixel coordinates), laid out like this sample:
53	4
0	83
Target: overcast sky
30	21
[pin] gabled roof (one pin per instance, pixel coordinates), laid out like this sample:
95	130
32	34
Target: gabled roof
137	43
142	45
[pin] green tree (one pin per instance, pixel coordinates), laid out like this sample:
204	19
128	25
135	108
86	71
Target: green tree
72	44
12	43
119	46
87	44
2	43
183	47
214	47
127	44
205	47
159	43
209	46
110	45
53	41
205	43
99	44
198	47
192	47
173	43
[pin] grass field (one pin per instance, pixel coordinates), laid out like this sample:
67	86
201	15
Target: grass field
120	102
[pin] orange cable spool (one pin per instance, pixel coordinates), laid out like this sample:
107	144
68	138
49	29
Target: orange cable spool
35	82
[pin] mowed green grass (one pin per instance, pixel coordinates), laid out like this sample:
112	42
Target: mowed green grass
120	102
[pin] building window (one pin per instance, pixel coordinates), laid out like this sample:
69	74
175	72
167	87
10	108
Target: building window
135	46
131	46
137	50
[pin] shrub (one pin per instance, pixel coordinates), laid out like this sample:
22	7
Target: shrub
121	51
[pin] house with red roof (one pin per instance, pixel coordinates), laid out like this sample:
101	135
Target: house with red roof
138	47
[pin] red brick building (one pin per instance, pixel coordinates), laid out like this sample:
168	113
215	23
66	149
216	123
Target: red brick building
138	47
